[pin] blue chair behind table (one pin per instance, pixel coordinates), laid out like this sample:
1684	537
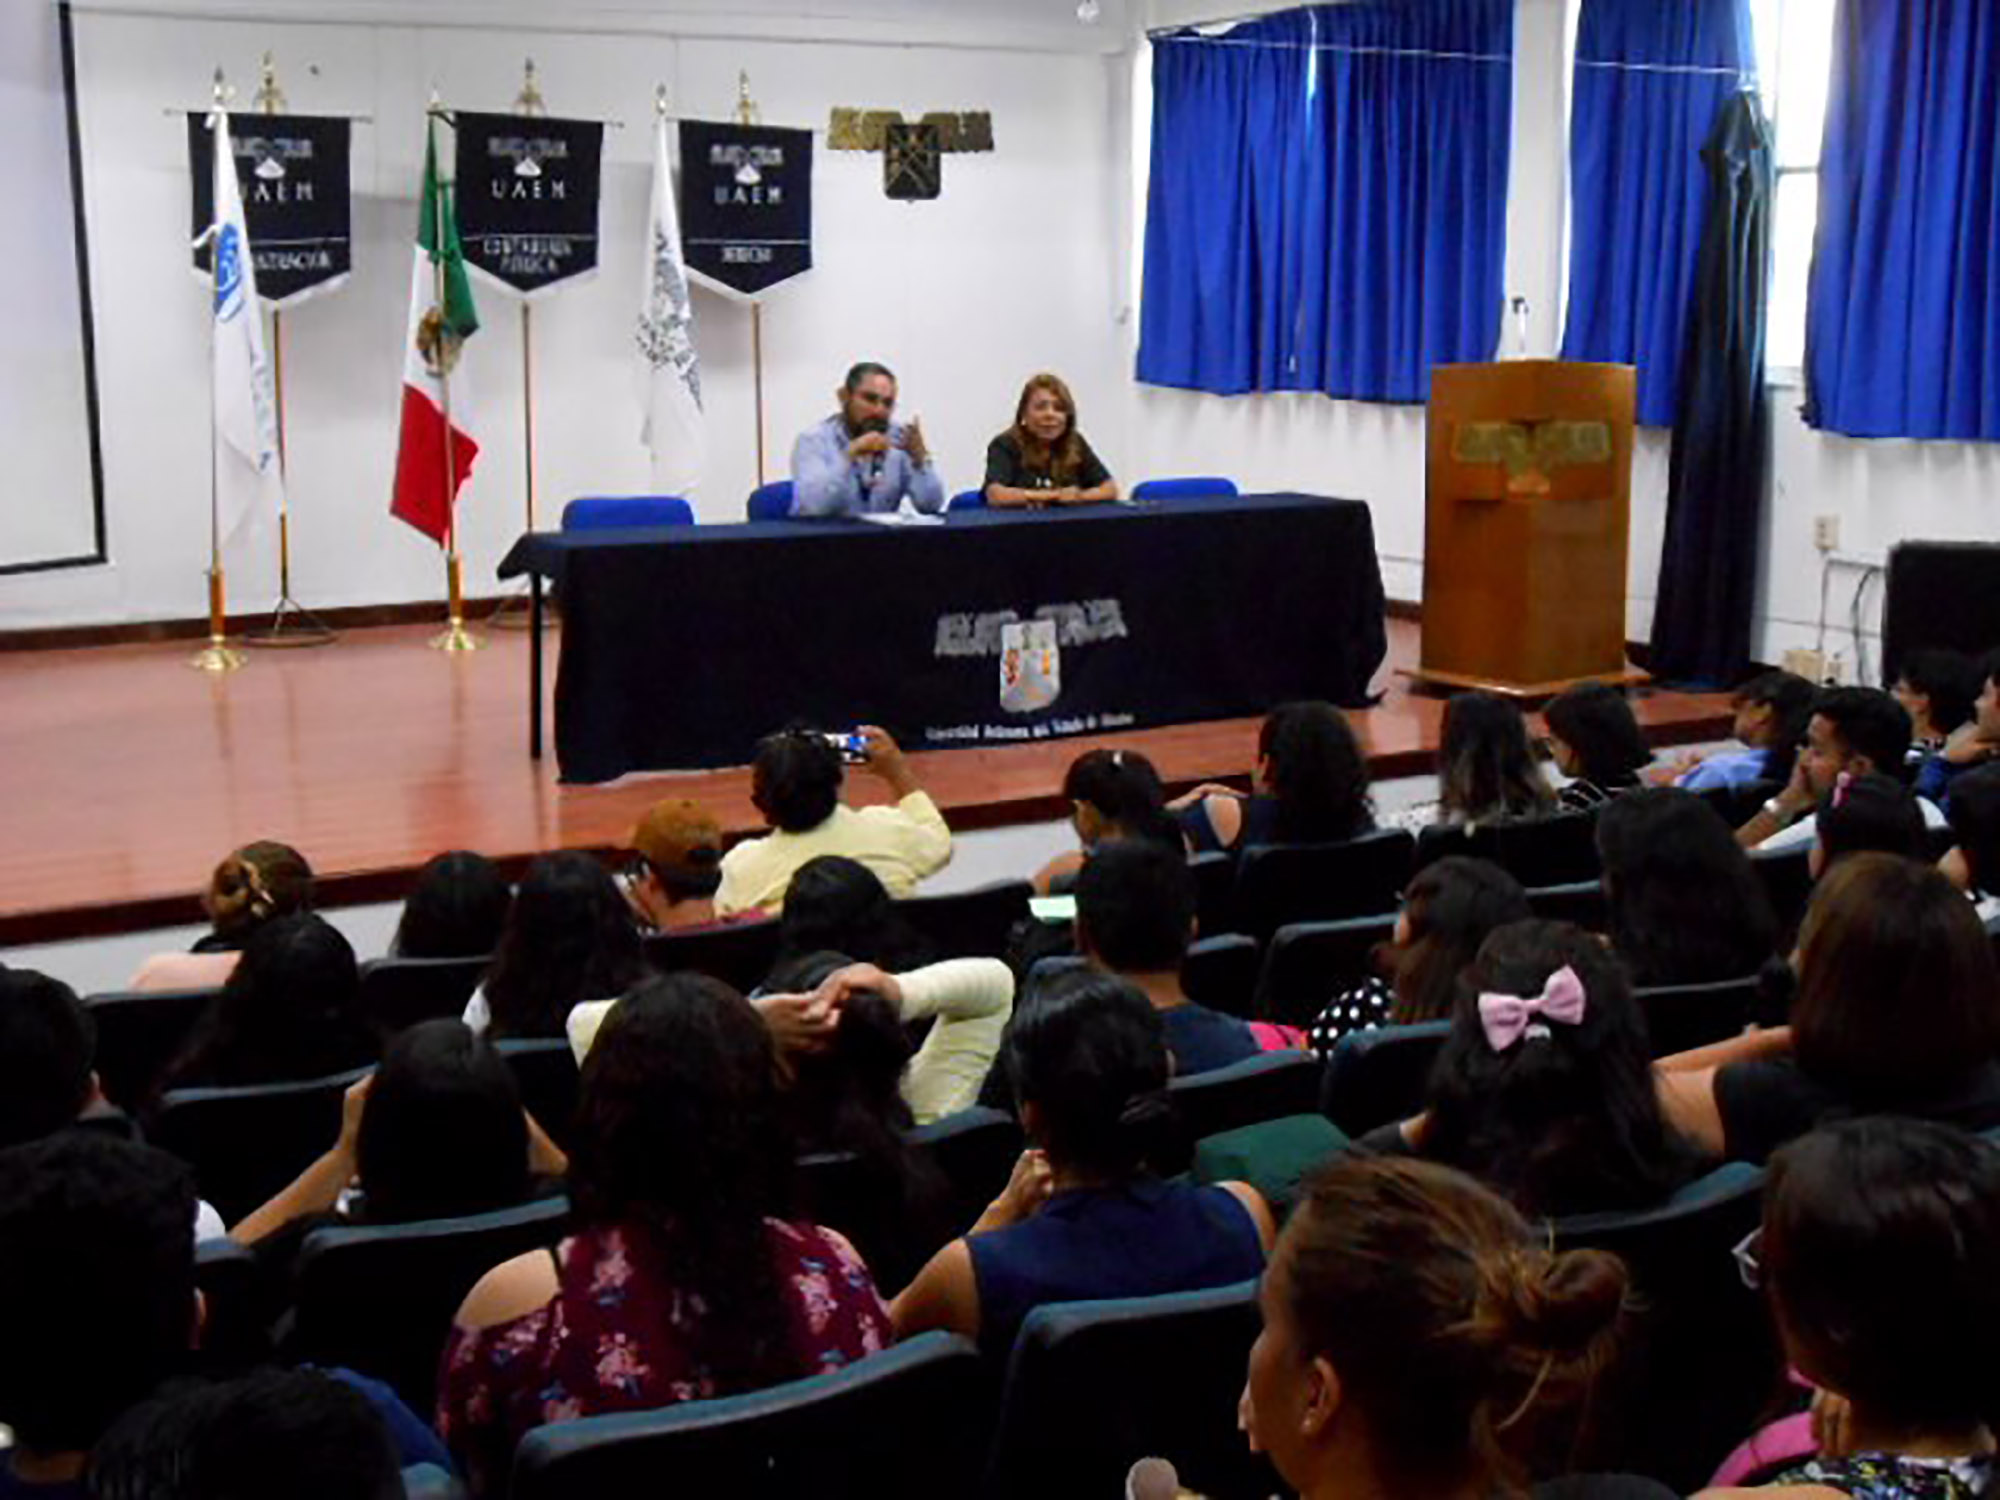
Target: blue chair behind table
1269	1086
546	1071
740	954
138	1033
1681	1017
1374	1077
380	1299
1091	1386
1221	973
968	924
246	1143
1703	1362
901	1425
1278	884
969	500
1193	487
397	993
771	502
606	512
1308	964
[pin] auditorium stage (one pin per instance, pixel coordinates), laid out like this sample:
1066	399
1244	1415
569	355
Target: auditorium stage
127	775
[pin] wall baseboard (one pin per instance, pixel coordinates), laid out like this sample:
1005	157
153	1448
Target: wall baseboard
137	632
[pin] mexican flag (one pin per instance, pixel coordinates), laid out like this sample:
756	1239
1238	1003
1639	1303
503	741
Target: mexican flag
437	435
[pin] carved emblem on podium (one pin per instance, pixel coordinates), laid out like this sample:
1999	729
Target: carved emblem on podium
1531	452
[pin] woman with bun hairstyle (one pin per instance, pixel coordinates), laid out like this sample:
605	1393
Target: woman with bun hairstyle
1544	1090
1084	1215
1877	1252
252	886
1421	1339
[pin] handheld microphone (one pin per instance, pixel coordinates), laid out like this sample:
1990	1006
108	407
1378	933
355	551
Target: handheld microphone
1152	1479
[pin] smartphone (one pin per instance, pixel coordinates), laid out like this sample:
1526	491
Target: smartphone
853	746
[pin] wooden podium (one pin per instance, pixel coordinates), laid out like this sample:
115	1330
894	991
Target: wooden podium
1525	527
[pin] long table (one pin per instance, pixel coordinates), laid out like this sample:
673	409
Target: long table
681	646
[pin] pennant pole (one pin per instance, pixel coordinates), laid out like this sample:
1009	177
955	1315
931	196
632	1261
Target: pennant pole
747	113
454	637
512	612
215	657
292	624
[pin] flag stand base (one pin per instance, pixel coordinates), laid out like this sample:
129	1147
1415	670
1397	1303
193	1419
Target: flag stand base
292	624
216	657
455	637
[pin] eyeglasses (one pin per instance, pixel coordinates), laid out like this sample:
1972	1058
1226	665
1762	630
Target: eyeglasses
1748	1258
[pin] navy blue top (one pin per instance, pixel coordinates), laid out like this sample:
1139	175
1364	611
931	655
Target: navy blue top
1259	826
1143	1239
1203	1040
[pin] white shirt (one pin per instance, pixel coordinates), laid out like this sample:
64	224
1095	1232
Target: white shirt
1805	833
900	844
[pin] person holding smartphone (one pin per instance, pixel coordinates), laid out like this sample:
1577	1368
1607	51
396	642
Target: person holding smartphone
860	461
795	783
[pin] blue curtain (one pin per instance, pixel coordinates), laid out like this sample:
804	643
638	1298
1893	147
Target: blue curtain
1903	310
1328	203
1651	80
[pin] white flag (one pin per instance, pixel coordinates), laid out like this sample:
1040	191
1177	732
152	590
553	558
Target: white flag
669	371
247	478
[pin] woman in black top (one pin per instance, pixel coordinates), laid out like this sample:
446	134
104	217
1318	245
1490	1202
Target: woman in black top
1042	459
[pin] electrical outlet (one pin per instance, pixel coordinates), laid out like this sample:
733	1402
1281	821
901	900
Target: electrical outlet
1826	533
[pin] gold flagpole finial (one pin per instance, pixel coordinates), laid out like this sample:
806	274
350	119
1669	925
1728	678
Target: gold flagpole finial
746	107
270	99
219	91
530	101
660	101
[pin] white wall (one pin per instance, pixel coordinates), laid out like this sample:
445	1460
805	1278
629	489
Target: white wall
1882	492
966	296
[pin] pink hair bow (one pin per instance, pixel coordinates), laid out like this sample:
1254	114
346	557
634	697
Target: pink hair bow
1506	1018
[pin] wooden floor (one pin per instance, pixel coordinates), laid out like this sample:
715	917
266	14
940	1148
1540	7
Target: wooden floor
124	775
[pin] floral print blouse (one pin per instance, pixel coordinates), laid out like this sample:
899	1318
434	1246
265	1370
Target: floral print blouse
615	1338
1888	1476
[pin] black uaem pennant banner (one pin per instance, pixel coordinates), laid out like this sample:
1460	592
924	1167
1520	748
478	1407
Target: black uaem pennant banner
527	190
746	204
294	174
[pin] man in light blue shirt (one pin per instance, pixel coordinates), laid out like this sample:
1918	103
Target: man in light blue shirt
859	462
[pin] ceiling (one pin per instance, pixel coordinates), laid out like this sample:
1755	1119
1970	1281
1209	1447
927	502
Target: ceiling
1043	25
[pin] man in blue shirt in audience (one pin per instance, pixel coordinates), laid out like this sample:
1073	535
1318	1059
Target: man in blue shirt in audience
860	461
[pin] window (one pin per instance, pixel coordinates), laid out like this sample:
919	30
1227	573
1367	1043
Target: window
1794	60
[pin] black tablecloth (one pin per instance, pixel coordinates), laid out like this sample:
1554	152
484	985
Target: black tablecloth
681	646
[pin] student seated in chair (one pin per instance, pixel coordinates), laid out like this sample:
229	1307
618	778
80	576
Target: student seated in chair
1544	1088
1877	1253
457	909
684	1279
1770	713
1853	730
1973	862
1112	794
1420	1338
1684	901
1135	916
795	782
97	1298
1084	1215
1310	786
1595	740
258	883
677	853
1485	766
